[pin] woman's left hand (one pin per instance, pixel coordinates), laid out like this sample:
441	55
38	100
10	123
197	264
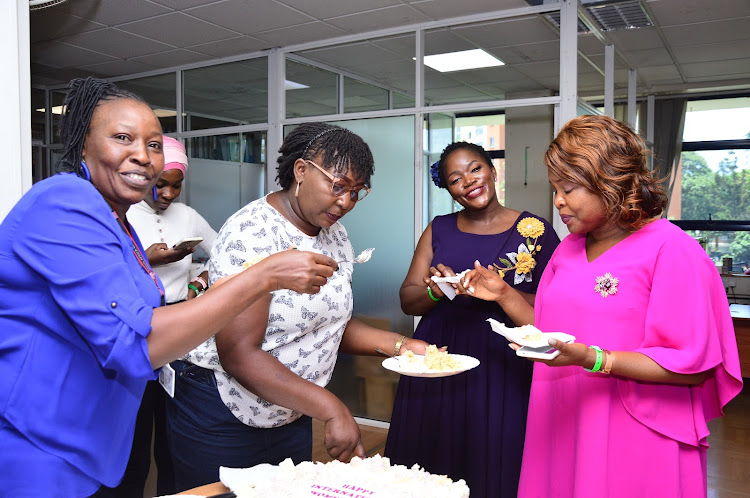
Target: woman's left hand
417	346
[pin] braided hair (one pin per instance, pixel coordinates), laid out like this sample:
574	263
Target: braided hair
437	170
341	150
84	94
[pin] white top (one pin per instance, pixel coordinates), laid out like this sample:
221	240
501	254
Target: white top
171	226
304	331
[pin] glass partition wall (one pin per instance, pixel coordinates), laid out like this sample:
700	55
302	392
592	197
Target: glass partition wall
385	87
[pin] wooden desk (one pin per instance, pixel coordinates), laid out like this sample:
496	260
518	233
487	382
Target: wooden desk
207	490
741	320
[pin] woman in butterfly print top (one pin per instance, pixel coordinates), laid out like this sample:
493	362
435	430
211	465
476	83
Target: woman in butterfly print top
271	364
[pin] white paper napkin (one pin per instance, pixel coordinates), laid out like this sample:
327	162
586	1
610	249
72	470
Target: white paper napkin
445	284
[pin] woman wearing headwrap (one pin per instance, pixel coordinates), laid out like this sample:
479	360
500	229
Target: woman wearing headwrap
161	223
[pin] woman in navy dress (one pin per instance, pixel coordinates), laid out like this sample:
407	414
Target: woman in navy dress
469	426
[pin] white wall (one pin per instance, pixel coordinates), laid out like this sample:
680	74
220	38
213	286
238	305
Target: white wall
15	87
526	183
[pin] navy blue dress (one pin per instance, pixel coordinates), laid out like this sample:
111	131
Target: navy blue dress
470	426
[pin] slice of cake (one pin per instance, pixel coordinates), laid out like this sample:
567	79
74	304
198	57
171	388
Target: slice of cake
372	477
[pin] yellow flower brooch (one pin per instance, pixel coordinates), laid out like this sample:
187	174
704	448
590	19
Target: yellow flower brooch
523	261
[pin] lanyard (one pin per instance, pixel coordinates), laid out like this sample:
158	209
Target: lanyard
142	260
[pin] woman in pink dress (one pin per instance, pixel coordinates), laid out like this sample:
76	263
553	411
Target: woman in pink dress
622	411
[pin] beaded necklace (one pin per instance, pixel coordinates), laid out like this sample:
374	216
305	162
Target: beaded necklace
142	260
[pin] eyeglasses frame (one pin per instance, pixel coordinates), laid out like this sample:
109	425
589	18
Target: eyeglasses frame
346	181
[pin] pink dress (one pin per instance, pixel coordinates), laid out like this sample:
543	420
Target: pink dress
591	434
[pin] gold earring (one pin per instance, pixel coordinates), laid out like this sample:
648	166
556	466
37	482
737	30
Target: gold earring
296	192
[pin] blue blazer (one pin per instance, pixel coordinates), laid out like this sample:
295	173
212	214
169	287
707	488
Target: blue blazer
75	310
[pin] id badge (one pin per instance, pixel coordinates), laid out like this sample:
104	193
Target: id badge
166	379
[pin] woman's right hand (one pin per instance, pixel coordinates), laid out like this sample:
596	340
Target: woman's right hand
483	283
342	436
301	271
160	254
440	271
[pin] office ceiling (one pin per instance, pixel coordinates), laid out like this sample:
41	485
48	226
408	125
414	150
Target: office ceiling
693	45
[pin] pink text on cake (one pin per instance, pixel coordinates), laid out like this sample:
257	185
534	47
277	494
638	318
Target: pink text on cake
348	490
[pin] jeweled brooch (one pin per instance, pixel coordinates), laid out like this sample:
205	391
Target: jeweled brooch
606	285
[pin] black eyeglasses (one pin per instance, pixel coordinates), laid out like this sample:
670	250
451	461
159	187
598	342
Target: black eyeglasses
341	185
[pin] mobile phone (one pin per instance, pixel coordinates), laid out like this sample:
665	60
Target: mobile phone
540	353
188	242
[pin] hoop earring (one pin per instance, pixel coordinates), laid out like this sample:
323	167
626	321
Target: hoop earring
154	192
296	192
85	171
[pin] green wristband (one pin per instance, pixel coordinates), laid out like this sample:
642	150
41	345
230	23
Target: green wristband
191	286
599	357
429	292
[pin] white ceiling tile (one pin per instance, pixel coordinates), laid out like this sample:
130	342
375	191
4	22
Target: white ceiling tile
656	73
61	76
301	33
112	12
59	55
181	5
399	15
709	32
324	9
508	32
674	12
444	9
172	58
117	43
179	29
649	57
590	45
712	52
539	69
118	68
231	47
444	40
532	52
636	39
48	24
726	69
248	18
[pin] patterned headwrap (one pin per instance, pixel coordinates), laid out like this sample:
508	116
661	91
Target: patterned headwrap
174	155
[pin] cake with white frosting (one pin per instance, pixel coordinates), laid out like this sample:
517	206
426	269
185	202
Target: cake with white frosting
372	477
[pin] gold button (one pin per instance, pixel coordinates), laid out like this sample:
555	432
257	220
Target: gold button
113	305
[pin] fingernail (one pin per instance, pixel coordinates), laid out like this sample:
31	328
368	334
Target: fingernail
470	290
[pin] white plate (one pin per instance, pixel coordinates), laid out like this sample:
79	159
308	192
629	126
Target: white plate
516	334
400	364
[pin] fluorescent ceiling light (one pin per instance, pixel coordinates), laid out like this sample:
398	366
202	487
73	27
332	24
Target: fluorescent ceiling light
461	61
291	85
58	109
